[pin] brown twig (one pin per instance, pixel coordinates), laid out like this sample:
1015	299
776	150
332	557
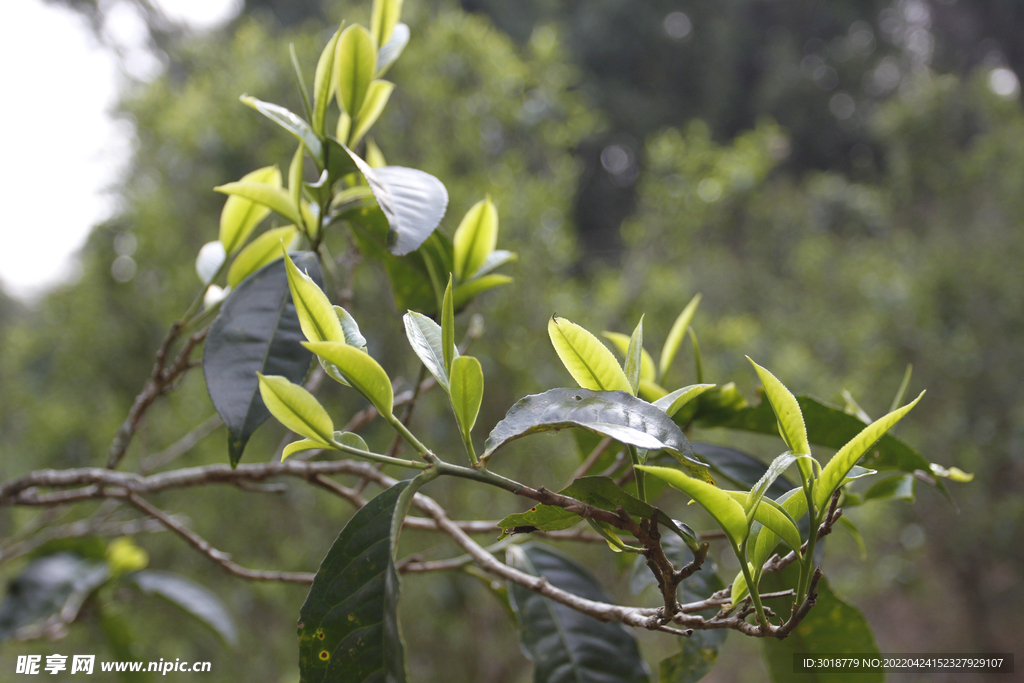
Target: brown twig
161	380
591	459
218	556
182	445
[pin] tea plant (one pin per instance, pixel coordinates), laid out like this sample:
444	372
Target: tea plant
283	305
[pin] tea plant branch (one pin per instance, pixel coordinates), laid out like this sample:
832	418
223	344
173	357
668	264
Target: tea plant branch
162	379
182	445
591	459
218	556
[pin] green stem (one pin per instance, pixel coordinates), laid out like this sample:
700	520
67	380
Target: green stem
755	595
408	436
377	457
641	487
812	537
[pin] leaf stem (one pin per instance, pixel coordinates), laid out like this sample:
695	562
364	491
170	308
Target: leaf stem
812	536
755	595
641	487
408	436
377	457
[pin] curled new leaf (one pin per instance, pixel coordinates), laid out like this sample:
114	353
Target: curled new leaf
392	50
671	403
291	122
773	516
426	340
362	371
240	215
589	361
675	337
263	250
316	315
296	409
323	83
621	342
475	238
377	96
383	19
634	352
354	67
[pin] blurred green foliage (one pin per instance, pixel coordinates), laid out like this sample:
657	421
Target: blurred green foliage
832	265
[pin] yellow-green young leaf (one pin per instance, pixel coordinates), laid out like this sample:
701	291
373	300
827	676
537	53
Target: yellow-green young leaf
298	446
633	356
671	403
475	238
651	391
448	327
791	420
675	337
317	317
467	392
354	66
835	471
353	337
374	157
263	250
621	343
344	126
773	516
376	99
384	16
240	215
727	512
739	585
362	372
296	409
589	361
351	439
466	291
323	83
795	503
271	196
295	177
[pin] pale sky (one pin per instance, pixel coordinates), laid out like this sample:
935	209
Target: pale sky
60	149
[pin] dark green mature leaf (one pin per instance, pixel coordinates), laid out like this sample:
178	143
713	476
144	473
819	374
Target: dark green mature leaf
198	601
617	414
348	626
827	426
831	627
257	330
413	202
565	645
48	586
901	487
